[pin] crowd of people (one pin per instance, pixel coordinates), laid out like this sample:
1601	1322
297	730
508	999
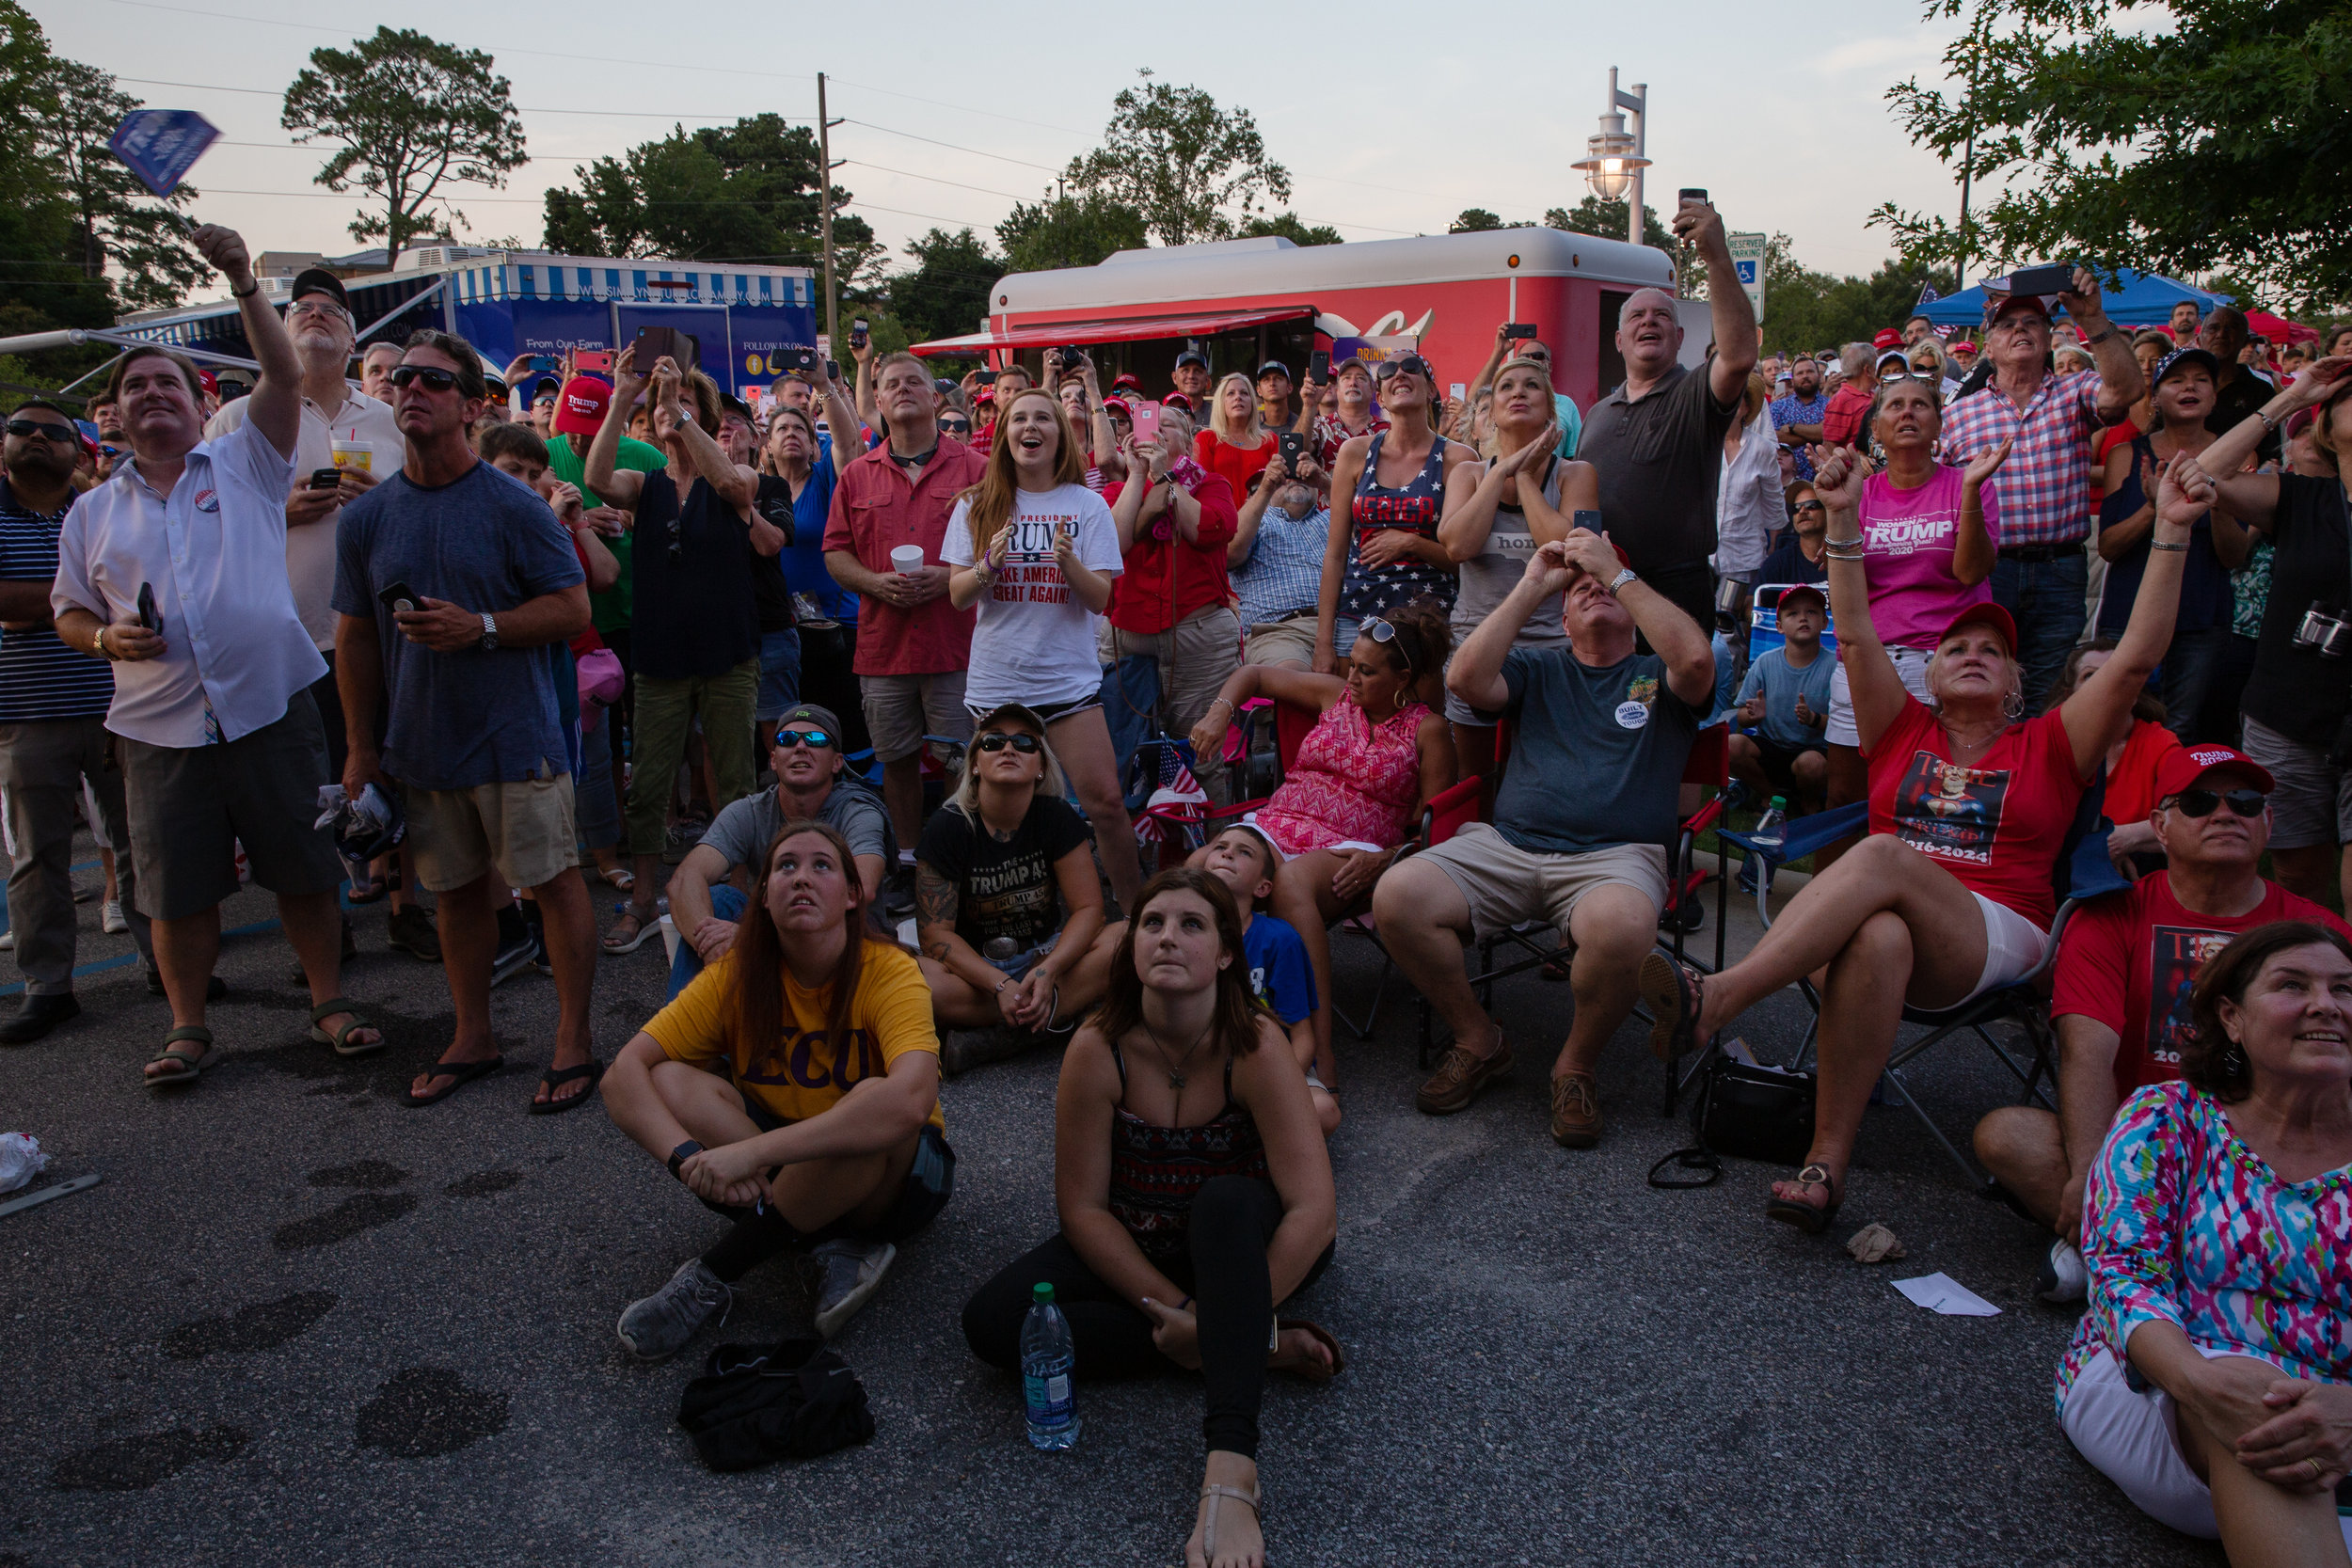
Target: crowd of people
483	639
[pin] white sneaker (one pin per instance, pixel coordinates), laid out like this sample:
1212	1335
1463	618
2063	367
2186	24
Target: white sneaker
8	942
2063	1279
110	918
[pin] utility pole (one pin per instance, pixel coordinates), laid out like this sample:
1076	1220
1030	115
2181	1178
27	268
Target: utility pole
824	190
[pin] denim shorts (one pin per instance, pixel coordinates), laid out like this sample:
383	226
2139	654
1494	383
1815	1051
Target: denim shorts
930	1183
779	674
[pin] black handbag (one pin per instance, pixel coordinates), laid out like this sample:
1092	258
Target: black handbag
1753	1113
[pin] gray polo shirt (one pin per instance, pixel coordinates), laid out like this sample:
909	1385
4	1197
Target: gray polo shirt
1660	461
744	831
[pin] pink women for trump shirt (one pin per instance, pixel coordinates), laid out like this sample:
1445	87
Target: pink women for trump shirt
1908	537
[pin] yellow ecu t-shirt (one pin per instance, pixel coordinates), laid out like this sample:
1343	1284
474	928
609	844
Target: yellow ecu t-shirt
805	1072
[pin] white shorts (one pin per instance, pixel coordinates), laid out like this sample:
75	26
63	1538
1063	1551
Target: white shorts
2014	947
2130	1438
1910	663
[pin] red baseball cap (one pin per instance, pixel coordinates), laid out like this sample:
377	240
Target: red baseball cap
1804	590
1887	337
212	382
580	406
2182	768
1989	613
2032	302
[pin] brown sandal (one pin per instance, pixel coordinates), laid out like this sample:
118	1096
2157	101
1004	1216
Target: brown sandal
1674	994
1315	1371
1804	1216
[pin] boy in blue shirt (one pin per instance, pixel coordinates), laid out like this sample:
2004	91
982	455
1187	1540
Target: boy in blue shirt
1280	976
1786	700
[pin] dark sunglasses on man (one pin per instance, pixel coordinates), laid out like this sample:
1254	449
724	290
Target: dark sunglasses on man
434	380
1025	744
1811	506
2203	802
787	739
64	435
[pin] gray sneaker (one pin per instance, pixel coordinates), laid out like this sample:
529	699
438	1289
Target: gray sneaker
852	1271
660	1326
961	1049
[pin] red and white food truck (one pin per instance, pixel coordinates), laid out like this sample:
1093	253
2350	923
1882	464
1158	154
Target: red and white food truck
1247	301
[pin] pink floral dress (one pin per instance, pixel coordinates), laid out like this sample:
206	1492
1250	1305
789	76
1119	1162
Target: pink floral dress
1353	782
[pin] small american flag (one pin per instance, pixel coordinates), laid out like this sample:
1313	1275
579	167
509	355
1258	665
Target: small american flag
1177	807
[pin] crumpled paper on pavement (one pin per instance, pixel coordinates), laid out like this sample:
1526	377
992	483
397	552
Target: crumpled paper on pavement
21	1160
1874	1243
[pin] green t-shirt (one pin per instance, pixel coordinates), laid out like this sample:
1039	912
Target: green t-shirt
610	610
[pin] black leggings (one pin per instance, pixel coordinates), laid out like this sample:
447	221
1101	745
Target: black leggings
1233	1220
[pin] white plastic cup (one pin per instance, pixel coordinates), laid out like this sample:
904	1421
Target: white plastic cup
907	560
353	454
669	938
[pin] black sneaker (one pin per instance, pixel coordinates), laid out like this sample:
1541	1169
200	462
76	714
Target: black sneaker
35	1016
412	931
515	948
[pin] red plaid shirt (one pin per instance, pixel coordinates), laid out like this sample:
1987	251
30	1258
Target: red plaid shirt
2045	487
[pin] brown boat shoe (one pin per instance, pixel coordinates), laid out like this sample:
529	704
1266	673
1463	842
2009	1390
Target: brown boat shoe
1575	1110
1460	1076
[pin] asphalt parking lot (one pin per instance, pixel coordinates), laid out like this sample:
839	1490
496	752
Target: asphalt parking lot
300	1323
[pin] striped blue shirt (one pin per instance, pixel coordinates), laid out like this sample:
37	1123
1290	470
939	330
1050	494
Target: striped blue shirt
1284	572
39	676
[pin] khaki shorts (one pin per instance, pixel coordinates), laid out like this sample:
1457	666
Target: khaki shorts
902	709
1291	641
525	829
1506	885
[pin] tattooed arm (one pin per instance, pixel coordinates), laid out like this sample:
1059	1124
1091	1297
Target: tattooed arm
937	902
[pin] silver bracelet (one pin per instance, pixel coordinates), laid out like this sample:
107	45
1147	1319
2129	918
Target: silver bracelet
2160	545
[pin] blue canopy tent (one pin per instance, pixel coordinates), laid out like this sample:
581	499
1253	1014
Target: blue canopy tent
2143	300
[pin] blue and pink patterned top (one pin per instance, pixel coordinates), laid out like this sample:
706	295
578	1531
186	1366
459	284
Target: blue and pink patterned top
2186	1225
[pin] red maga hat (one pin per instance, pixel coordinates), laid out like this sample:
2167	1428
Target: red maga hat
2182	768
580	406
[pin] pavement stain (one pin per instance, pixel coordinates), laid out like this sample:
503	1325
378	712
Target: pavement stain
481	1184
257	1326
423	1411
135	1464
370	1175
357	1212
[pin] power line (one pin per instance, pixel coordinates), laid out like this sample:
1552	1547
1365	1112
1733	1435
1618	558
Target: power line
520	108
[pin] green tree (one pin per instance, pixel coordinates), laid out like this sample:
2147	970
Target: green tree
1068	231
115	218
1477	220
1290	226
1606	220
742	193
43	285
946	293
411	113
1183	163
2164	136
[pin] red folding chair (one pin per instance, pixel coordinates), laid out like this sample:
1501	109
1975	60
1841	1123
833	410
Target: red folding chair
1291	724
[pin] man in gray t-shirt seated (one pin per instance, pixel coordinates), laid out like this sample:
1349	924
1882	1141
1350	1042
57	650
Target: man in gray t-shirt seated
812	781
1581	821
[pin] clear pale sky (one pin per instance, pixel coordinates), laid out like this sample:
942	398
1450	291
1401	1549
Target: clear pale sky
1389	126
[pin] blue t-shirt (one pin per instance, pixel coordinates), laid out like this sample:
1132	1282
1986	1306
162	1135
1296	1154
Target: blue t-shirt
803	560
1599	754
1782	683
483	541
1280	974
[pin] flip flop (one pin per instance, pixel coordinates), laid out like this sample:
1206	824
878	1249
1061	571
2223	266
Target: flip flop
192	1066
1322	1337
367	893
340	1038
459	1073
1806	1216
555	1078
648	928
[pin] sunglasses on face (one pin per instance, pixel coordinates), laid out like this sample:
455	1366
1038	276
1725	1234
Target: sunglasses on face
2201	802
64	435
434	381
787	739
1384	633
1811	506
1025	744
1389	370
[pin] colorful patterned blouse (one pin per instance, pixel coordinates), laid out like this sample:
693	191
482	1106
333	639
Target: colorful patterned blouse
2186	1225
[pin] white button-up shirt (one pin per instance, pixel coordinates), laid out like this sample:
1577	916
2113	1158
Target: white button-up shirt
311	548
215	551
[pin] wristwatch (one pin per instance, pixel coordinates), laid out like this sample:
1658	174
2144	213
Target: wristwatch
1628	575
489	632
679	1155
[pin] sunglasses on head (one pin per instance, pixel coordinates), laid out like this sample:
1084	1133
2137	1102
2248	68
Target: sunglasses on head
1384	633
1388	370
787	739
434	381
2201	802
996	741
64	435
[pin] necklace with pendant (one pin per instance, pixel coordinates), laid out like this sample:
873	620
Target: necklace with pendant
1176	1076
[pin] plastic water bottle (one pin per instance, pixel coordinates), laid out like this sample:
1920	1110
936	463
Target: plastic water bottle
1768	832
1046	1362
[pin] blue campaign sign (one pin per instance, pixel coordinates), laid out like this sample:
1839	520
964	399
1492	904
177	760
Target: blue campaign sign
160	145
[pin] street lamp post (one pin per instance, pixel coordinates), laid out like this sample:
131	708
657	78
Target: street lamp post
1615	157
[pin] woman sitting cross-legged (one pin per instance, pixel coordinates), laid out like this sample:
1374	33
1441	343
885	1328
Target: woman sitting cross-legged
1006	896
2210	1377
1951	894
793	1085
1194	1192
1376	758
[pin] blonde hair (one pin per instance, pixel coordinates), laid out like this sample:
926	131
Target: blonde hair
1753	399
1253	423
990	500
966	797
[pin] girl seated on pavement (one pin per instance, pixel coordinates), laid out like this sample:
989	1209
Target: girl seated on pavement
1005	895
1373	761
2212	1377
793	1087
1951	894
1194	1193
